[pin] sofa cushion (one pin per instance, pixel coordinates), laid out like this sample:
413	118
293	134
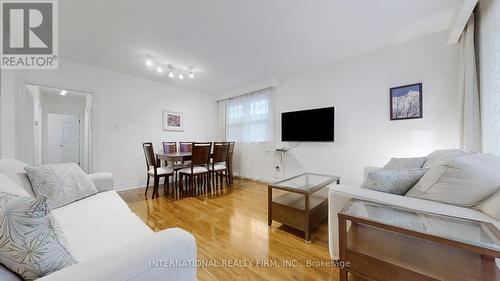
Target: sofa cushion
97	237
14	170
10	187
30	239
94	207
491	206
405	163
438	156
393	181
61	183
465	180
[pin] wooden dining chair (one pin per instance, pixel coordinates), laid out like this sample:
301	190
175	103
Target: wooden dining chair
154	170
197	175
230	162
219	166
169	147
186	146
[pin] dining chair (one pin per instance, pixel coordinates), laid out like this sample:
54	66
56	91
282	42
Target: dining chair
186	146
219	166
197	175
230	162
154	170
169	147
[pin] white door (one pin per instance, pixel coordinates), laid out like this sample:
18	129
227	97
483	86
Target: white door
63	138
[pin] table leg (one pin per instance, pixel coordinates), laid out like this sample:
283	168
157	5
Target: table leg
343	247
269	205
306	205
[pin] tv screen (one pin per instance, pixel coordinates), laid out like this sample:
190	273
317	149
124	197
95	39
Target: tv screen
308	125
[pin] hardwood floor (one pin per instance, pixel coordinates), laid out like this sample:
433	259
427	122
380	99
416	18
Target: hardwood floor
232	228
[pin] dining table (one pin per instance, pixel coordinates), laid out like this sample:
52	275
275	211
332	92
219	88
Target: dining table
175	156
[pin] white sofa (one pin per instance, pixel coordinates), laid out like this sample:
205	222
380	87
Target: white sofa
109	241
340	195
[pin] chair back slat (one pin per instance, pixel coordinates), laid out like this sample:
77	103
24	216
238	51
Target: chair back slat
169	147
186	146
149	153
200	153
221	150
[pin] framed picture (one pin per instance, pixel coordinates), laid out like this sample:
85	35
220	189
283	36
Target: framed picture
173	121
406	102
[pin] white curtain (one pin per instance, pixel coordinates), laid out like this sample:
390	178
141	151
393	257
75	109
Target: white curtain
250	124
222	119
470	121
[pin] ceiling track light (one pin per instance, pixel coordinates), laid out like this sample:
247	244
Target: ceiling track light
172	71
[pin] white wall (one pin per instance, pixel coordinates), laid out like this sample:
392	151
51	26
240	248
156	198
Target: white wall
359	90
127	112
488	41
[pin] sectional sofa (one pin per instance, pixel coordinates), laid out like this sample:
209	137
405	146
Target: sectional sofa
108	240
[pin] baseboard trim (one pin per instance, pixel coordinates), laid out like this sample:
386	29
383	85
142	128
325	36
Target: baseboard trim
129	185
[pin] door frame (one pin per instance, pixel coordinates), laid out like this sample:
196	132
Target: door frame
45	114
21	120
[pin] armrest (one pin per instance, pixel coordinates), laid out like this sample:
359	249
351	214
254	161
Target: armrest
103	181
166	255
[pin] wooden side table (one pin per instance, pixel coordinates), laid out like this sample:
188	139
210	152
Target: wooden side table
391	243
304	205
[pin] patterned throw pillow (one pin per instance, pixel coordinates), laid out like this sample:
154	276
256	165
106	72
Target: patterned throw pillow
405	163
393	181
31	243
60	183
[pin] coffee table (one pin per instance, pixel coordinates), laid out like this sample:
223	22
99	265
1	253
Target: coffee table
386	242
304	204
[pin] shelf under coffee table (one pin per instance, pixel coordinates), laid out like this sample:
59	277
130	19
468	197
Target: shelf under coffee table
303	204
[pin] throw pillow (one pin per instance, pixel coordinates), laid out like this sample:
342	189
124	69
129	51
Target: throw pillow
61	183
464	181
393	181
405	163
31	243
438	156
10	187
491	206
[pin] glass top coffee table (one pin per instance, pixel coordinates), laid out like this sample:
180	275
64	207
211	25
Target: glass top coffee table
302	202
417	243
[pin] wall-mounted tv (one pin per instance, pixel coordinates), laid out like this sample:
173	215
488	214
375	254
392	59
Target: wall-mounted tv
308	125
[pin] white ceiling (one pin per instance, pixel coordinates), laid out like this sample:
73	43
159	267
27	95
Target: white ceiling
54	92
234	42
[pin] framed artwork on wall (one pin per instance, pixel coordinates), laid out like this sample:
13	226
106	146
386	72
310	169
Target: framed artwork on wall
173	121
406	102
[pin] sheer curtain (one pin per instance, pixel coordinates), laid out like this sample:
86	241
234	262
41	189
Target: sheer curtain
250	124
470	135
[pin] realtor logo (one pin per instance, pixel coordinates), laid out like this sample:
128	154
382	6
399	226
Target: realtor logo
29	34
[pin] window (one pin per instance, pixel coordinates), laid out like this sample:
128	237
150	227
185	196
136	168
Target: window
250	117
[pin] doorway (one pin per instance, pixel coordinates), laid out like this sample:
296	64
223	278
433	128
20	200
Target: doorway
54	125
62	144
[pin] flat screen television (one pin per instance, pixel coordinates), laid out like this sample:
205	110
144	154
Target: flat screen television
313	125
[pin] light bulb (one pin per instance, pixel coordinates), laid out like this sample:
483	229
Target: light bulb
171	74
63	92
149	62
191	74
181	76
159	69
